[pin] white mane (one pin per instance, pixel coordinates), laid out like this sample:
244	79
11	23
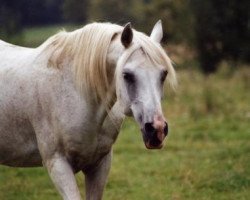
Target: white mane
87	48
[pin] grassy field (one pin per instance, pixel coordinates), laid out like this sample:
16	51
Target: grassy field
206	157
33	37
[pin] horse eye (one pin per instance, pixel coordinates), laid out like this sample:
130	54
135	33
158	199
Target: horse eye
129	77
163	76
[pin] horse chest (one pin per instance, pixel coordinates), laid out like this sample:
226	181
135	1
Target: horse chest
86	155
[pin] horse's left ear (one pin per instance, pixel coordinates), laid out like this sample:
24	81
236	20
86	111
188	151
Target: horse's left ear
127	35
157	32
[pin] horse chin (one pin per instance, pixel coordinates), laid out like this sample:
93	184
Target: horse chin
150	146
151	142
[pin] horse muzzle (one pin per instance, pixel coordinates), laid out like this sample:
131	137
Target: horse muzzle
154	134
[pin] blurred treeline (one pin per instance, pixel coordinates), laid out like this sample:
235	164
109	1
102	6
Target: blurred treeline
216	29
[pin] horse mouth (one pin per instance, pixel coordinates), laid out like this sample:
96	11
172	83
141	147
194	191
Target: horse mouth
150	146
151	141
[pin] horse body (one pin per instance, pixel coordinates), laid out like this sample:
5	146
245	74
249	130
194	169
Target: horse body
18	146
54	103
48	117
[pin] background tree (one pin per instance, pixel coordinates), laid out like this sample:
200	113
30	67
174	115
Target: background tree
37	12
14	15
175	16
10	20
76	11
110	11
217	29
143	14
222	31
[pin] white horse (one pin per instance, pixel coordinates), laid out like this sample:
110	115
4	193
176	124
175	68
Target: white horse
62	104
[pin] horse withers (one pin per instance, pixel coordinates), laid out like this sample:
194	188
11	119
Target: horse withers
62	104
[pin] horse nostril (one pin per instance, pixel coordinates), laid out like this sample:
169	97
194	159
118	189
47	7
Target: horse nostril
166	129
149	128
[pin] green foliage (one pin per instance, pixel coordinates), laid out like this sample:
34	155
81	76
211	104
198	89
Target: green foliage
37	12
218	30
110	10
143	14
10	20
175	16
76	10
222	31
16	14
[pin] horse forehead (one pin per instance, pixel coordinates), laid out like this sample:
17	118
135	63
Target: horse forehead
138	55
139	60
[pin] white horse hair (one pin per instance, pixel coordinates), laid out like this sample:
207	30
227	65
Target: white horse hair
62	104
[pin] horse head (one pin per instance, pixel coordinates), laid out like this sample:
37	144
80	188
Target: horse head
142	67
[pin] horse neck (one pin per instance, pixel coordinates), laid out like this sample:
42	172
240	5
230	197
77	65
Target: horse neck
104	109
96	109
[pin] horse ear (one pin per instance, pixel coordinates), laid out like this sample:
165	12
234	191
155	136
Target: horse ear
157	32
127	35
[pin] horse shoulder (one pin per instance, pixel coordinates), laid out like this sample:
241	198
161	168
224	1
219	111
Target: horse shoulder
111	128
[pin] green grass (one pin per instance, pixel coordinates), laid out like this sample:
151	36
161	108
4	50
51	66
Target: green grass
206	157
33	37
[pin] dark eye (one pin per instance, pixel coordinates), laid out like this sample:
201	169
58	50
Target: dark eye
163	76
129	77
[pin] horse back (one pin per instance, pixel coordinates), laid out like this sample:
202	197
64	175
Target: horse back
12	55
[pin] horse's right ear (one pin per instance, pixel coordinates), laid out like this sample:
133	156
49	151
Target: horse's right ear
127	35
157	32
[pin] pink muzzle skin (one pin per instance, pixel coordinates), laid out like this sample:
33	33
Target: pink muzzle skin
159	125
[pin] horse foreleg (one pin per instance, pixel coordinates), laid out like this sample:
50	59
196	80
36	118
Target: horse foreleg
95	179
63	177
